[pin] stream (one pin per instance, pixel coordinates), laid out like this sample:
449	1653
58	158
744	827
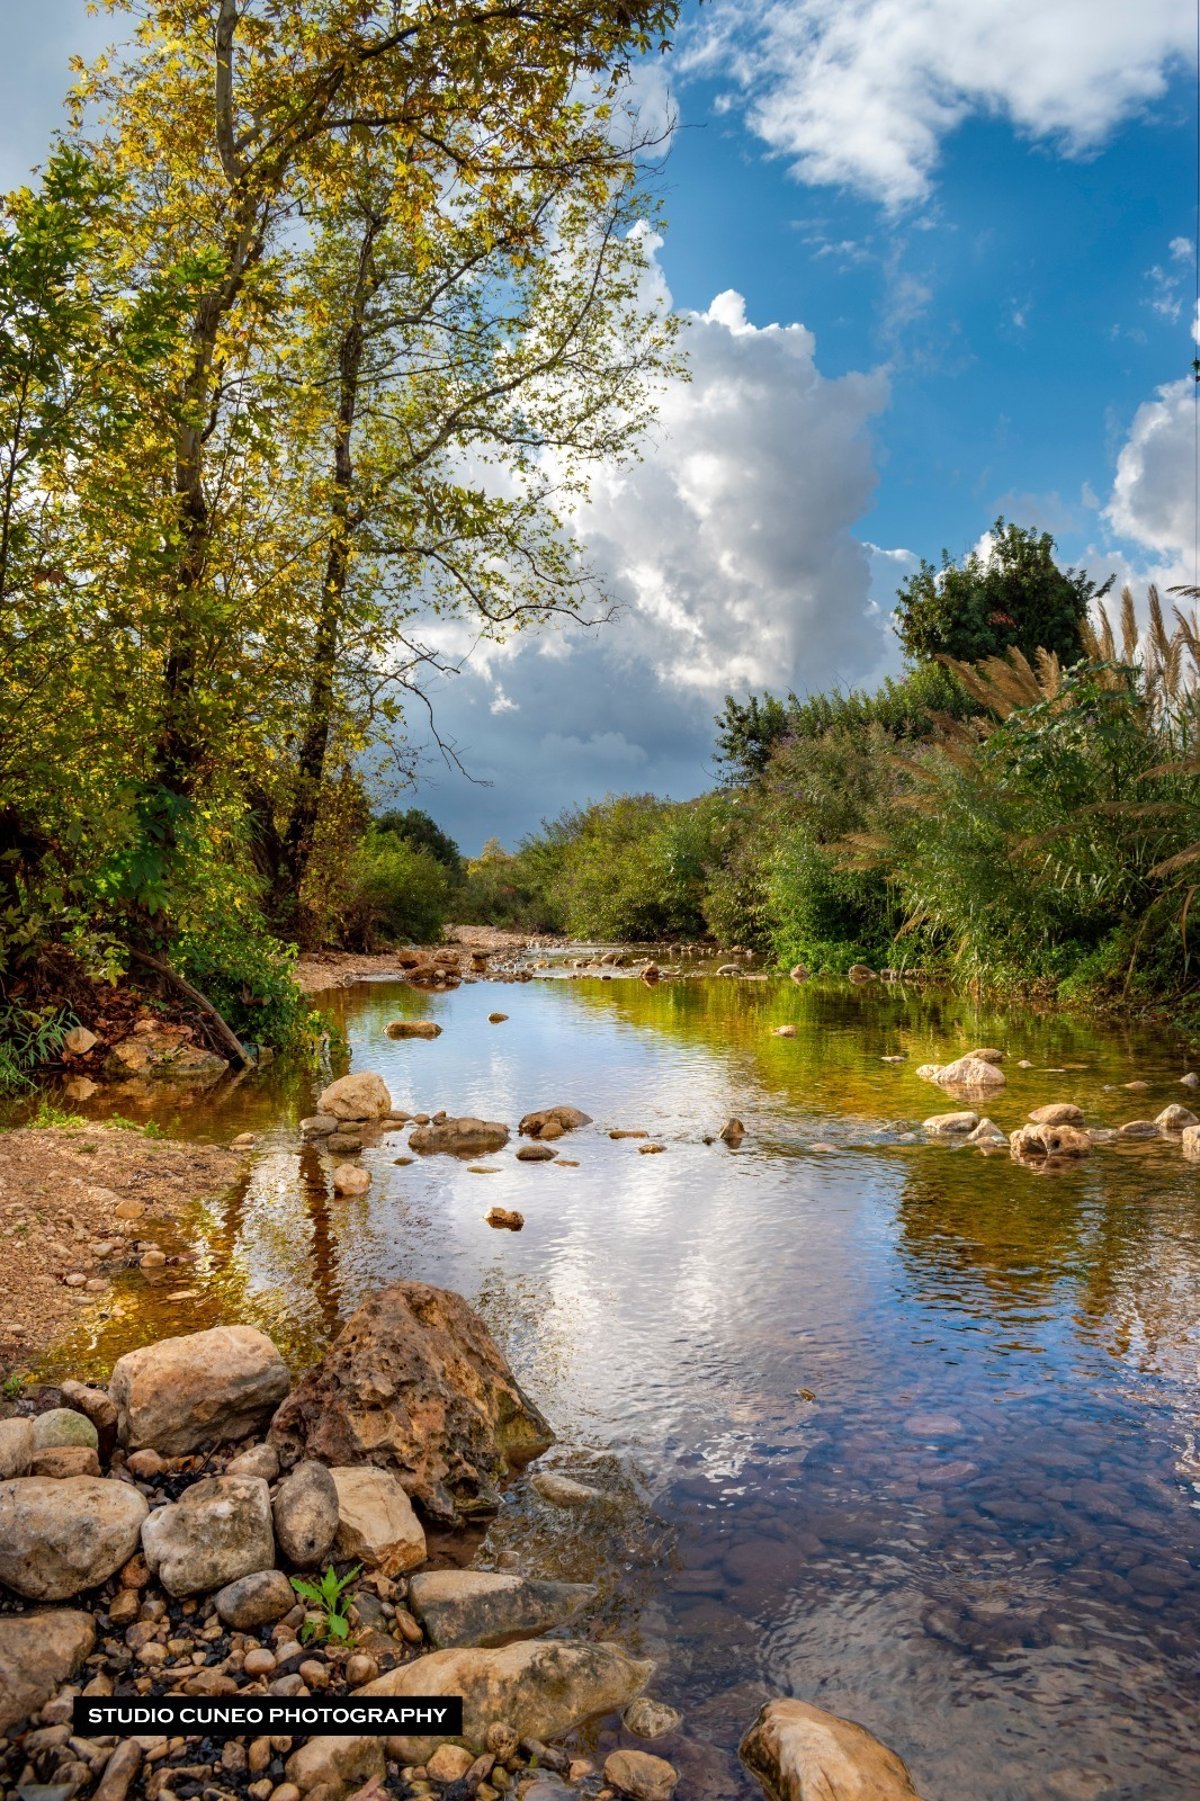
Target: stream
901	1428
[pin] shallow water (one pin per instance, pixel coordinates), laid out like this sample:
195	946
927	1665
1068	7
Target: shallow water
980	1537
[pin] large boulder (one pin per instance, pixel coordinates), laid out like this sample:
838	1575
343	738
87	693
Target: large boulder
414	1383
219	1530
802	1753
38	1653
485	1607
181	1393
363	1096
160	1051
1175	1118
459	1137
60	1536
542	1688
376	1523
970	1072
305	1511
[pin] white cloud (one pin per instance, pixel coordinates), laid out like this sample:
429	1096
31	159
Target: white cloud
1154	496
863	92
730	552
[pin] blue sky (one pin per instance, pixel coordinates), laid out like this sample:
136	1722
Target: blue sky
961	234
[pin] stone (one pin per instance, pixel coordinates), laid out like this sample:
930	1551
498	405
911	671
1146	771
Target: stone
38	1653
641	1775
163	1052
79	1041
120	1771
343	1144
801	1753
497	1019
257	1460
1138	1128
60	1461
259	1599
550	1131
506	1217
95	1404
305	1511
414	1383
648	1718
449	1763
569	1118
798	973
1059	1113
733	1131
563	1491
319	1125
413	1028
351	1178
60	1537
16	1447
337	1765
484	1607
376	1523
1175	1118
987	1053
783	1031
184	1392
970	1072
859	972
1190	1142
1191	1080
218	1531
459	1137
540	1688
62	1426
536	1153
362	1096
987	1132
1050	1141
951	1125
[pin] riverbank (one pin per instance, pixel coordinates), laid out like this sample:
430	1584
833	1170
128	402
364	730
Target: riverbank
79	1203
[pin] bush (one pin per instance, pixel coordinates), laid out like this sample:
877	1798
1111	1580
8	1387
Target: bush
395	893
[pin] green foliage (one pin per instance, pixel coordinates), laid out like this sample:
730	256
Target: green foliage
519	891
395	893
418	829
27	1040
328	1596
51	1118
1015	596
636	868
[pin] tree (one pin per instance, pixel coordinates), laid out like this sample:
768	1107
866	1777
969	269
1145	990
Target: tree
1014	595
423	833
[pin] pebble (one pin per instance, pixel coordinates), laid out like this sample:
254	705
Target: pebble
259	1662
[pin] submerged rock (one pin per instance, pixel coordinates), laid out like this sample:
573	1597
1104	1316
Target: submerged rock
413	1028
59	1537
541	1688
640	1774
485	1607
1050	1141
569	1119
184	1392
564	1491
459	1137
802	1753
414	1383
651	1719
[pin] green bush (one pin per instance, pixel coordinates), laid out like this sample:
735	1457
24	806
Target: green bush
395	893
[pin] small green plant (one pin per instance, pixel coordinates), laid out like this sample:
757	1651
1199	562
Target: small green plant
151	1129
27	1040
328	1596
12	1386
48	1116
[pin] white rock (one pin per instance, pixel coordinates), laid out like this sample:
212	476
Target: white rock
376	1522
219	1530
362	1096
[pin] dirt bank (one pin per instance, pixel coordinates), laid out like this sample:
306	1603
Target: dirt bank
76	1205
316	970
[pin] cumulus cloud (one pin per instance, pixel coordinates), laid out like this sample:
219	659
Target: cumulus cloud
1153	499
730	553
862	92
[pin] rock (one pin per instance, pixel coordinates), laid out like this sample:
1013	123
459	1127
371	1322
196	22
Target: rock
536	1153
60	1461
414	1383
783	1031
569	1118
362	1096
929	1072
79	1041
258	1460
1191	1080
650	1150
859	972
549	1131
256	1600
337	1765
318	1125
305	1512
798	973
1060	1113
563	1491
1175	1118
1138	1128
639	1774
459	1137
449	1763
184	1392
970	1072
733	1131
951	1125
351	1178
482	1607
1190	1142
987	1054
60	1427
1137	1085
413	1028
506	1217
497	1019
16	1447
95	1404
218	1531
802	1753
120	1771
1050	1141
60	1537
987	1132
163	1052
541	1688
648	1718
376	1523
245	1141
343	1144
38	1653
